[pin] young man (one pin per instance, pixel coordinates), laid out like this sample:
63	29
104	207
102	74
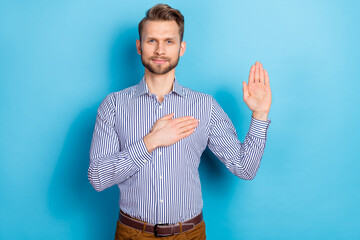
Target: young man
148	138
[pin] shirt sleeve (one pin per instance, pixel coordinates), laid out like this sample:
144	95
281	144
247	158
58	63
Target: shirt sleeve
109	164
242	159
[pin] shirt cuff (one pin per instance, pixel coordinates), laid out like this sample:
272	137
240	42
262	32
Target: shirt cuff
139	153
259	128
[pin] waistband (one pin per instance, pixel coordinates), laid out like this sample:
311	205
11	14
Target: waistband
160	230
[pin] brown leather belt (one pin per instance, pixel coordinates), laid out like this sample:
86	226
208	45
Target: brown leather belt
160	230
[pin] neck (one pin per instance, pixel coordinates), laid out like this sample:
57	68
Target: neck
160	84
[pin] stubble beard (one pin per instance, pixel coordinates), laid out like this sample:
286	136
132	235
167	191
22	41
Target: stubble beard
159	68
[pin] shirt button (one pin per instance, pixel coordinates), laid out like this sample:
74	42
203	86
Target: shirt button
264	130
159	222
161	201
160	177
160	152
160	106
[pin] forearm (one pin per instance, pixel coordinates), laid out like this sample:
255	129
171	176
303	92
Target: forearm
107	171
249	161
242	159
252	150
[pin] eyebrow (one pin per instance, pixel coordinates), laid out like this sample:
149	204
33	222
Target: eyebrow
151	37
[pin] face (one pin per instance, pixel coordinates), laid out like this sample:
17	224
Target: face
160	46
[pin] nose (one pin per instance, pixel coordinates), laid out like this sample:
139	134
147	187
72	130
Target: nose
160	48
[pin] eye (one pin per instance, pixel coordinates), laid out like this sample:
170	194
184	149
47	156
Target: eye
151	41
169	41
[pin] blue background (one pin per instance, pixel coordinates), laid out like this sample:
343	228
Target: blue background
59	59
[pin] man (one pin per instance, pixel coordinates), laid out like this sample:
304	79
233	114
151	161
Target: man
148	138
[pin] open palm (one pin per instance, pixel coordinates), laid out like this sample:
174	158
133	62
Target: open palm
257	93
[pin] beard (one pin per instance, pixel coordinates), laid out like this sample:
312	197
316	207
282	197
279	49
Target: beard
159	68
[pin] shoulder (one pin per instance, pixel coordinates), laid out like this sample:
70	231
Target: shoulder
197	96
126	93
207	101
120	96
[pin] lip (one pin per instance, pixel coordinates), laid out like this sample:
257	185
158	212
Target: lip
159	61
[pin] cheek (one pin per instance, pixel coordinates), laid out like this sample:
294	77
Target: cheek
147	50
174	51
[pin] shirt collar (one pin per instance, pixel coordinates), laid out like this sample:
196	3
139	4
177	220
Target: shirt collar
142	88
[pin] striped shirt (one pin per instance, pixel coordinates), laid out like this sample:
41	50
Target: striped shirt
164	186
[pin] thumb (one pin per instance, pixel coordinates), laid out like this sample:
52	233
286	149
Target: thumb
245	90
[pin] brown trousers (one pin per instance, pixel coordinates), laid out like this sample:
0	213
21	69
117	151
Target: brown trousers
125	232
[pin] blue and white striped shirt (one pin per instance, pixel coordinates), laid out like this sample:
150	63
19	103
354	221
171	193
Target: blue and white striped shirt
164	186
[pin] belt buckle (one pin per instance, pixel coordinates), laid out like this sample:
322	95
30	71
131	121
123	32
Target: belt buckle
162	235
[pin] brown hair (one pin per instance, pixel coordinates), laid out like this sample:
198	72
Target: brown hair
163	12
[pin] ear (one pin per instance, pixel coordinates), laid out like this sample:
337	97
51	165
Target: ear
182	48
138	46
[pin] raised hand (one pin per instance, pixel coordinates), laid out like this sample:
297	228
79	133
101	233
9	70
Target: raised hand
167	131
257	93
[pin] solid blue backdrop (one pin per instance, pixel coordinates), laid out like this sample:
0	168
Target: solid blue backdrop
59	59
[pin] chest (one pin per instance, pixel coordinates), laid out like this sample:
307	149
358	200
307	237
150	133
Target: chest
134	119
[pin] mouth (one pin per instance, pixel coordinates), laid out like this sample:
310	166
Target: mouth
159	61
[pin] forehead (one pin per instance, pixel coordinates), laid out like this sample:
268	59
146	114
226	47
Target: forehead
161	29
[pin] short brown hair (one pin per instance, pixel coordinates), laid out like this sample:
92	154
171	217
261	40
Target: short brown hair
163	12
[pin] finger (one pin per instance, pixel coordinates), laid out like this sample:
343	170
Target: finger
252	75
267	80
188	126
168	116
245	90
187	133
257	72
262	77
181	119
191	122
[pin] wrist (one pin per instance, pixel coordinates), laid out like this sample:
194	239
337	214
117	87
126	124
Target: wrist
262	116
149	143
